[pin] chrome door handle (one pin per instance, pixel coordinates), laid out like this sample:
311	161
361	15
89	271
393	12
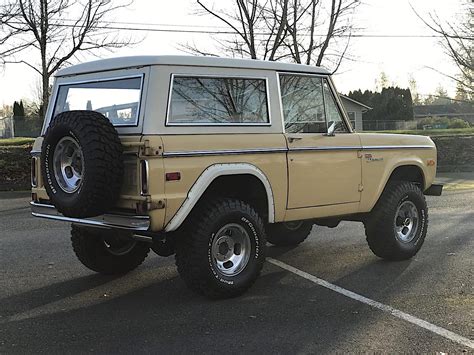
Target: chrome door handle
292	139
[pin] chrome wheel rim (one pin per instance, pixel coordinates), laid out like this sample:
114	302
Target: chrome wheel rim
68	164
406	221
230	250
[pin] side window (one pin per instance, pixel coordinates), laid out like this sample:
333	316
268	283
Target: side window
333	114
303	104
218	101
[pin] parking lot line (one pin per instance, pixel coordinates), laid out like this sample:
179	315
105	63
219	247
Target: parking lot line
383	307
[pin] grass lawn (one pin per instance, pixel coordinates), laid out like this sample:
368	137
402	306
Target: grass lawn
434	132
8	142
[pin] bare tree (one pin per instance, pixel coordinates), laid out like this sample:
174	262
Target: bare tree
458	42
301	31
56	31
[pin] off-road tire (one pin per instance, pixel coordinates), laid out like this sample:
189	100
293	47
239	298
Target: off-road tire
102	159
194	245
90	249
280	234
380	230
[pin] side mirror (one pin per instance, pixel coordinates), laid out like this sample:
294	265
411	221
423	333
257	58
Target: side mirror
331	129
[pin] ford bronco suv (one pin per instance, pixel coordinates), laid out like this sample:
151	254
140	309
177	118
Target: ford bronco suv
210	158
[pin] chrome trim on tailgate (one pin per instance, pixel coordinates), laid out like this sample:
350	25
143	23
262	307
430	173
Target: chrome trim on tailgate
119	221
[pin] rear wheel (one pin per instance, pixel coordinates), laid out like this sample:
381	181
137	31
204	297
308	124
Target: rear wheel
222	250
106	252
288	233
397	226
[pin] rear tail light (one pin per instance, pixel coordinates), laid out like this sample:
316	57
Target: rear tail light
34	178
144	172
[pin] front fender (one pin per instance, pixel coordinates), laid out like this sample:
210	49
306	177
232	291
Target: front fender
375	178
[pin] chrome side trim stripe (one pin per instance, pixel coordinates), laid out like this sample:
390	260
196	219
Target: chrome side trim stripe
387	147
367	147
198	153
305	149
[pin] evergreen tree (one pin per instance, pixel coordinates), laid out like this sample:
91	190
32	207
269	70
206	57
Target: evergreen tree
22	109
392	103
18	109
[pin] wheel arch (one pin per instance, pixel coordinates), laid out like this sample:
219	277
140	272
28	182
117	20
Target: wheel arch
408	172
213	179
411	171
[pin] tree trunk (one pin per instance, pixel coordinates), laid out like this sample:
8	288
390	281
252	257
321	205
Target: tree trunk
45	94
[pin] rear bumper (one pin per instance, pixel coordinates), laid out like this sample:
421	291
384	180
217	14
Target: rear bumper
434	190
117	221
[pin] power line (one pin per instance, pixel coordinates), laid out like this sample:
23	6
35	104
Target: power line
151	24
227	32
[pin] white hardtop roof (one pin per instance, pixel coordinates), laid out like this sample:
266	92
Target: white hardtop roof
141	61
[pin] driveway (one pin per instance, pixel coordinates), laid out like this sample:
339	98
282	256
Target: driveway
330	294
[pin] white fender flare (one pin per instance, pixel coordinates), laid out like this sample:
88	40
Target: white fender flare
207	177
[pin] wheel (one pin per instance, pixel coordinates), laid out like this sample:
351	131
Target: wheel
106	252
288	233
81	163
397	226
222	249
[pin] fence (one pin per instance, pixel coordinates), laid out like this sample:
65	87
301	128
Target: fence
28	126
20	127
390	125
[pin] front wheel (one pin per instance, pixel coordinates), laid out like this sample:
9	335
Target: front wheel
397	226
221	252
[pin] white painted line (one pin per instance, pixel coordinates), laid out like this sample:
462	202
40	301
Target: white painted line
393	311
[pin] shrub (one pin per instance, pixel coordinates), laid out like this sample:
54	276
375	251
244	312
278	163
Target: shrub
444	122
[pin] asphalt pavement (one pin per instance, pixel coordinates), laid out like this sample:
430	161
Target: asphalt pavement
50	303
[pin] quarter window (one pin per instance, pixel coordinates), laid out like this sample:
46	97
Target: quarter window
218	101
333	115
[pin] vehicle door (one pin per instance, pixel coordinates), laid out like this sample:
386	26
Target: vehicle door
324	167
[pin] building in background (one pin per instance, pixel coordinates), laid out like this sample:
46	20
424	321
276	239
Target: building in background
6	127
354	109
463	110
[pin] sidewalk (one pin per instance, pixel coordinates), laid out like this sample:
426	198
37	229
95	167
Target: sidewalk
456	181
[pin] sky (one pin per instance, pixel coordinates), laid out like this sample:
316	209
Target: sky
398	58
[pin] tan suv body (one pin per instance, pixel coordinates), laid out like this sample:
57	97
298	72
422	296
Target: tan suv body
195	129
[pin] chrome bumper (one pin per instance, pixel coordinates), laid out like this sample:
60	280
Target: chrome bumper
119	221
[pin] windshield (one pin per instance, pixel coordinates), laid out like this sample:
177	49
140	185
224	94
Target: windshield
116	99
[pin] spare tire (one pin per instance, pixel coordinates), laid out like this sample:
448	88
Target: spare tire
81	163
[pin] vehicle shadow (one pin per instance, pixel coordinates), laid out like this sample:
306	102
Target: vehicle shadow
35	298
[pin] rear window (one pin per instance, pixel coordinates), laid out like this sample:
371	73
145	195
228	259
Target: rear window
116	99
218	101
